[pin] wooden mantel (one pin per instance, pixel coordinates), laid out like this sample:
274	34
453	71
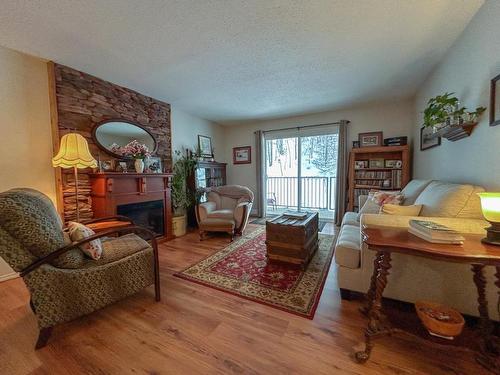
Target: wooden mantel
112	189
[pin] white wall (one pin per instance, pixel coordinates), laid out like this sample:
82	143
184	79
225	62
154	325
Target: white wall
25	142
467	69
186	128
394	119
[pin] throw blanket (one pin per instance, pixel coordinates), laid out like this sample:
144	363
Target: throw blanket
234	191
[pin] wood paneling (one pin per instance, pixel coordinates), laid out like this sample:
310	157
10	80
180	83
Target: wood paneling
199	330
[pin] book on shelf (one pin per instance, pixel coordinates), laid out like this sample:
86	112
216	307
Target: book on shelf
434	232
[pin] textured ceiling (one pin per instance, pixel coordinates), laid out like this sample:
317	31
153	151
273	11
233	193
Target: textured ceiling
231	60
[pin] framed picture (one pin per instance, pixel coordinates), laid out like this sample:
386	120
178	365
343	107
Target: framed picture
205	146
428	139
242	155
376	163
123	166
107	165
372	139
355	144
495	102
152	165
360	164
393	163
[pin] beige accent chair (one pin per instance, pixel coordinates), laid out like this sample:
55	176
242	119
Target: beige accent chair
415	278
226	210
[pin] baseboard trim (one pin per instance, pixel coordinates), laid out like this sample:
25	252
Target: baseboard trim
8	276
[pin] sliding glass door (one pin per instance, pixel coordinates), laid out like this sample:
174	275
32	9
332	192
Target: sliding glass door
300	170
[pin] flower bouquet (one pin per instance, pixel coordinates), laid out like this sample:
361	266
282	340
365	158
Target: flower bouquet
137	151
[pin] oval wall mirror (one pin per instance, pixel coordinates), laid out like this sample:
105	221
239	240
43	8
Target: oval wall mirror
111	135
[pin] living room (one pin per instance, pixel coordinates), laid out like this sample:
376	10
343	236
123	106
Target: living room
250	187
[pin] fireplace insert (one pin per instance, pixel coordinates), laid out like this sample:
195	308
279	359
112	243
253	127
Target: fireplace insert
146	214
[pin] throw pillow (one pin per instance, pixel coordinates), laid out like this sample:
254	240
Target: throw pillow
388	197
77	232
394	209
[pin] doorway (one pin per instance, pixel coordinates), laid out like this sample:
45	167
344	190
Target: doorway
300	171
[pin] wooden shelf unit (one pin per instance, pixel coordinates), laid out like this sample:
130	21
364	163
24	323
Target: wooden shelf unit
366	153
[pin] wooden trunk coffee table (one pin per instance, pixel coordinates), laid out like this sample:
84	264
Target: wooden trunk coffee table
292	240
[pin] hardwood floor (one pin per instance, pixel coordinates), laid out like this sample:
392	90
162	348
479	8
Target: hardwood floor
198	330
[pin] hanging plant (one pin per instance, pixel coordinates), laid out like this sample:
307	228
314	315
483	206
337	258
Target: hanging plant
443	110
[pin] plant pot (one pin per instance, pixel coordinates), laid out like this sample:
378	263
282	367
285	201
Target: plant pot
139	165
179	224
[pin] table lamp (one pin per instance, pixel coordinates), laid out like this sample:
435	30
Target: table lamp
490	205
74	153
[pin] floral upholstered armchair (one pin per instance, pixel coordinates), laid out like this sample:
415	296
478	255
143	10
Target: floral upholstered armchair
226	210
62	282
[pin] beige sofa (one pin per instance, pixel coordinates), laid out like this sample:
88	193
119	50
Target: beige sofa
413	278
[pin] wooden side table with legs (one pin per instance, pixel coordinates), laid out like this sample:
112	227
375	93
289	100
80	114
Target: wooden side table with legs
398	240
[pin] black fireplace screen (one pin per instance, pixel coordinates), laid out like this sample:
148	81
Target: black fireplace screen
146	214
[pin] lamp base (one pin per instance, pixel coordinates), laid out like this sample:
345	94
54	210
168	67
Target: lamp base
492	235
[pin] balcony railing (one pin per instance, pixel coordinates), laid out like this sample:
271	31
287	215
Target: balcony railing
318	193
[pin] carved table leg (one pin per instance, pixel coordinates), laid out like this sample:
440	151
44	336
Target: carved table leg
371	291
373	328
489	351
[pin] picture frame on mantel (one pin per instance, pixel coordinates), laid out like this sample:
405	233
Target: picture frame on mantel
495	101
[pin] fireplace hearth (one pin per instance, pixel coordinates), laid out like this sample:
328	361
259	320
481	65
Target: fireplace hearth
146	214
144	197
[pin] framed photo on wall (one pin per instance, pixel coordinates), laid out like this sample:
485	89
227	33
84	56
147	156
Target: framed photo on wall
242	155
372	139
495	101
205	146
427	139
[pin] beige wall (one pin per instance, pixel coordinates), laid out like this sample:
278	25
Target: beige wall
394	119
466	70
186	128
25	142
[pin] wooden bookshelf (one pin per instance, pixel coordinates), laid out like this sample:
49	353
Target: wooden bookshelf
360	181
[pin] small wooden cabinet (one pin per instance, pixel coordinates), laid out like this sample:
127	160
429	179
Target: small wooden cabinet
380	177
208	174
112	191
205	175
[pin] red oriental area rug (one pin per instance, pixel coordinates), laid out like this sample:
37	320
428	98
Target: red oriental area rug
242	269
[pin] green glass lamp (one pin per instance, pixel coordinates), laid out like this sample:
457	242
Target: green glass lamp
490	205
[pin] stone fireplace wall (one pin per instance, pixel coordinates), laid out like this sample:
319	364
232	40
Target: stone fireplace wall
82	101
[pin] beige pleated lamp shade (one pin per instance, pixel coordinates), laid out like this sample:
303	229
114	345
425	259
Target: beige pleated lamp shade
74	152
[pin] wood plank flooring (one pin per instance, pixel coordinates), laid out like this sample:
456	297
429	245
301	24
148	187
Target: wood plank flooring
198	330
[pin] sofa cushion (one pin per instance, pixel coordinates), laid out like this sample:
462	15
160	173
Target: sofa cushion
350	218
472	209
413	190
348	247
395	209
222	214
443	199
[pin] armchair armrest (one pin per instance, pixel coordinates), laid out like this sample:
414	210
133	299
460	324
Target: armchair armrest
203	209
241	214
64	249
362	200
110	218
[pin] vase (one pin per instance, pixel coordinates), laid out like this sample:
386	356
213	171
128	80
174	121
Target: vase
139	165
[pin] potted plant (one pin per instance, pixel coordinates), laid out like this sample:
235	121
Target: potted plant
444	111
182	197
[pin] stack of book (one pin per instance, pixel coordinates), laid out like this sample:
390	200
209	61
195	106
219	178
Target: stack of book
434	232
